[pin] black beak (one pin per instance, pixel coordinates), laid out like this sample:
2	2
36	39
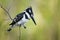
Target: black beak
33	20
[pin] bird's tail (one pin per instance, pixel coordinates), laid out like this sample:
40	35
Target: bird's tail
10	28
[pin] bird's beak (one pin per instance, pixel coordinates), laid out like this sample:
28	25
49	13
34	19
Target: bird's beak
33	20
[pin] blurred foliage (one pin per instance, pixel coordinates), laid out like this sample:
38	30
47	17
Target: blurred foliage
47	16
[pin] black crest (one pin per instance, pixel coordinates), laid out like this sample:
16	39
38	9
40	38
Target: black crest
29	10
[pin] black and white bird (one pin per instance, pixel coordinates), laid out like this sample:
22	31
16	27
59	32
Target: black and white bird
22	18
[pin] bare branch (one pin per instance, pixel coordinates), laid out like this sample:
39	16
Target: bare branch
6	11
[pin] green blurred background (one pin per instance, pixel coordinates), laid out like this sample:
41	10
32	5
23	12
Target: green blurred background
47	17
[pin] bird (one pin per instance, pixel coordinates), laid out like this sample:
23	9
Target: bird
22	18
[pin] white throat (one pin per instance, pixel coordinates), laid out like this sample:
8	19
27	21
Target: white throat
27	14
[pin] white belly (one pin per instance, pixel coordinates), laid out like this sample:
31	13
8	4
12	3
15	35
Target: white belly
23	21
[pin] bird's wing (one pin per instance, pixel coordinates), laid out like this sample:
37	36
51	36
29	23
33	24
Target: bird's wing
17	18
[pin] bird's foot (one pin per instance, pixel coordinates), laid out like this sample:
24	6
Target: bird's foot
9	29
25	27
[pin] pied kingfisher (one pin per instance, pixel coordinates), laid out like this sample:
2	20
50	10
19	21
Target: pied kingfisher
22	18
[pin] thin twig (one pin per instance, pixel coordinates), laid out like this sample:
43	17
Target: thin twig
6	11
19	33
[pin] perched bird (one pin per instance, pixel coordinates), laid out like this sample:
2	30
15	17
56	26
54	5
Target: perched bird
22	18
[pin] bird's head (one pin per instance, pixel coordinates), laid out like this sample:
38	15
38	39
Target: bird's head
30	12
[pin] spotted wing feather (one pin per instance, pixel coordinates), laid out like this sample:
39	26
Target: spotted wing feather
17	18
